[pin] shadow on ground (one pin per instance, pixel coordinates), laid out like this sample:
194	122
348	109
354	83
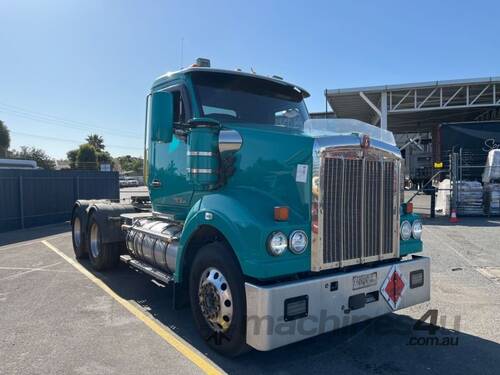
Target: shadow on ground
387	345
29	234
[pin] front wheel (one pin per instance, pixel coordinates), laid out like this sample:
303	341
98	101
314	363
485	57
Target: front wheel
217	295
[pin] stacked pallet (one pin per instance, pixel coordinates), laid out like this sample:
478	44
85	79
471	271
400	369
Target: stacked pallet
492	169
492	199
470	198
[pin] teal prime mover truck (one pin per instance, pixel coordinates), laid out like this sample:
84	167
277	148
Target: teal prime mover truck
272	227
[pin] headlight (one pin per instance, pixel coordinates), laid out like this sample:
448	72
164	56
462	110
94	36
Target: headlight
416	229
405	230
298	242
277	243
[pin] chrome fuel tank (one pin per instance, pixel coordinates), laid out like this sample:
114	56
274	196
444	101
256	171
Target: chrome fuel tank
154	242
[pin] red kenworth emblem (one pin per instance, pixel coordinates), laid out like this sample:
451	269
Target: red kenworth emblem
365	141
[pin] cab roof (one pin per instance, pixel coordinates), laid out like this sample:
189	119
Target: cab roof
172	75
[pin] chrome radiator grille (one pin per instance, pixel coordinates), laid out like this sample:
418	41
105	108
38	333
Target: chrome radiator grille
359	215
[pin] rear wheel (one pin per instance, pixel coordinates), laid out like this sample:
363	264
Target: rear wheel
78	234
217	294
102	255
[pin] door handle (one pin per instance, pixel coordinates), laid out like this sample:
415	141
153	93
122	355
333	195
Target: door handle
155	183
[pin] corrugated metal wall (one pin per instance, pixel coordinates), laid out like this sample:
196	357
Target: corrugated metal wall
37	197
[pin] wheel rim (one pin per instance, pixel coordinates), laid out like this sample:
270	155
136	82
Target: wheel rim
215	299
77	234
94	240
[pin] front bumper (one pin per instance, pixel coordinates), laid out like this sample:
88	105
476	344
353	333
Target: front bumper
328	303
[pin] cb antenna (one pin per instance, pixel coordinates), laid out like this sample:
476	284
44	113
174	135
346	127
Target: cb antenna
182	51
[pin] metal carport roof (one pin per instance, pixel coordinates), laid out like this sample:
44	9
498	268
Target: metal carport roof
417	106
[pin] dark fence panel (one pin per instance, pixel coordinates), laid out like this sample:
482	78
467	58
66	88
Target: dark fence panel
37	197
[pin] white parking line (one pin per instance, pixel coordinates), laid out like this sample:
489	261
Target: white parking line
29	270
26	243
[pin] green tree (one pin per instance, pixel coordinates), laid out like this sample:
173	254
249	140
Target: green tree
32	153
72	154
4	139
97	141
130	163
104	157
86	157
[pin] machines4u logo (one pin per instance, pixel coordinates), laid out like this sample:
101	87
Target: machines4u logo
430	334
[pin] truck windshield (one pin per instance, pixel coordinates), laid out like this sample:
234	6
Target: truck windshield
236	98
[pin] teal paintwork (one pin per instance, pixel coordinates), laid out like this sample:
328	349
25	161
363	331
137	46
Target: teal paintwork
412	245
242	209
168	164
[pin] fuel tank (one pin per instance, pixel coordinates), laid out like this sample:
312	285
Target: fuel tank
154	242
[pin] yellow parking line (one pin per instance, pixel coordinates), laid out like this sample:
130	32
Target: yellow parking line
166	334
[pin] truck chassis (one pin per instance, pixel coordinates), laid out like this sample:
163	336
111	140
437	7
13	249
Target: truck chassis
107	232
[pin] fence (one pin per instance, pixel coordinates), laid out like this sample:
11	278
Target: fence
37	197
471	186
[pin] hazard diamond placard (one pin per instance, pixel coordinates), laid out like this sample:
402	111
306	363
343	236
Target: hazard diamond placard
394	287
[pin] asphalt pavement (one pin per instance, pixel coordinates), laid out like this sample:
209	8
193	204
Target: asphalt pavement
56	319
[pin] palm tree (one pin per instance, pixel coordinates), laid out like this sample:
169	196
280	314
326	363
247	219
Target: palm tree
96	140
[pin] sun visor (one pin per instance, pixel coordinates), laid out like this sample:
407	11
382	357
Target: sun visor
328	127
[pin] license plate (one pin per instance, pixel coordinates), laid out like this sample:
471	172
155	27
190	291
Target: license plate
364	281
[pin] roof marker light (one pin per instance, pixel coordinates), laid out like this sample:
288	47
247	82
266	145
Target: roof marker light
202	62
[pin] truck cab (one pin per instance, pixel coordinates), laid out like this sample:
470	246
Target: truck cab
261	217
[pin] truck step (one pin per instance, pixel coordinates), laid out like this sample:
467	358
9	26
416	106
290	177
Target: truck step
146	268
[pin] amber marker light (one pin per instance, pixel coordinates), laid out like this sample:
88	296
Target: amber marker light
281	213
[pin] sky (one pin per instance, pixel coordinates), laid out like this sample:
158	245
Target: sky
69	68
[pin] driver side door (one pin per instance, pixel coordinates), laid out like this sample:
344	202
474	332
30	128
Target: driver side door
169	188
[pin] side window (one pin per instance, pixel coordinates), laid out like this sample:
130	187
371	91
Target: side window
179	109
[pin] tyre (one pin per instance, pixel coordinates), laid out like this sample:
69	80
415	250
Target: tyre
78	234
102	256
217	296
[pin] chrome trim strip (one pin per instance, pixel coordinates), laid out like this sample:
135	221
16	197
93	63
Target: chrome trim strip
382	224
200	153
151	233
316	198
199	170
229	140
163	216
396	204
363	192
146	268
342	215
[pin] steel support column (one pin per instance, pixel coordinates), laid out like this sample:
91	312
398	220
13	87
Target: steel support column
383	110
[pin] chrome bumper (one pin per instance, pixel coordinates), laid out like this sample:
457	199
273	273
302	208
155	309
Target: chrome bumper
327	303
